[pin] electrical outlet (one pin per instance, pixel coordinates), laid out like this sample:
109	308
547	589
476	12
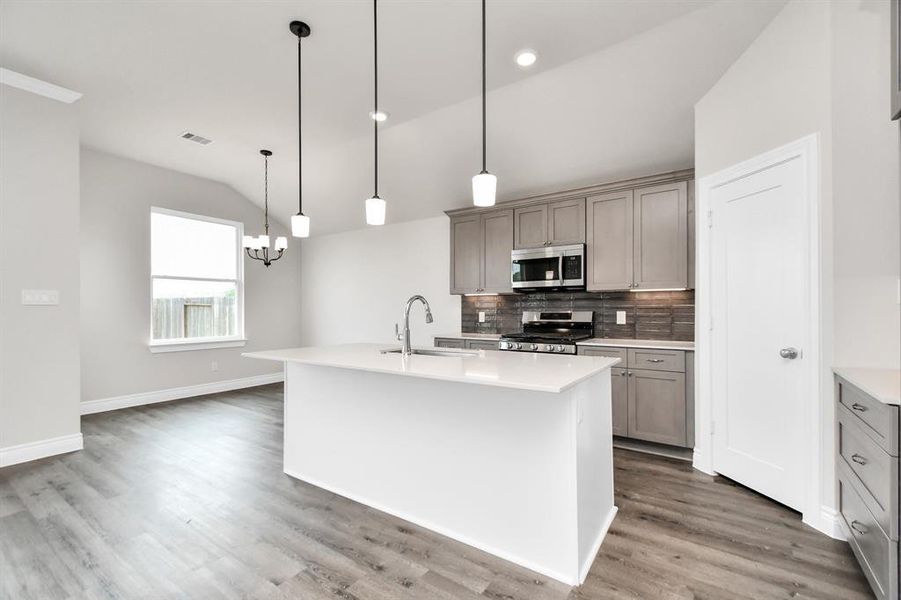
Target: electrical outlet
40	297
620	317
481	316
214	366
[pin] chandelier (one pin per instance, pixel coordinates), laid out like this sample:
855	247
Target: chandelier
257	247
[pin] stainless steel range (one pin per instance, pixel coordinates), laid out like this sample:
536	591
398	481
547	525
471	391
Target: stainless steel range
550	331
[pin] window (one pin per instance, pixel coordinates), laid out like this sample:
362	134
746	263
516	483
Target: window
196	282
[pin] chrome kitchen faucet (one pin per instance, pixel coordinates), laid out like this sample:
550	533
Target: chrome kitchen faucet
404	336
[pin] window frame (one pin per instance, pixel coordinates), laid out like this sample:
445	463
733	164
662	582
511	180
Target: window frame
204	343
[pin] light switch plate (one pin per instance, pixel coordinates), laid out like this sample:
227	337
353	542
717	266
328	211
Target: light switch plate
620	317
481	316
40	297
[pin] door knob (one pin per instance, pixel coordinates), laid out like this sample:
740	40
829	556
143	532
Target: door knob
789	353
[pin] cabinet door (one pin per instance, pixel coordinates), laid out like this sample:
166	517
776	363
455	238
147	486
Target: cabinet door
497	243
660	241
620	401
530	226
566	222
466	254
657	406
609	241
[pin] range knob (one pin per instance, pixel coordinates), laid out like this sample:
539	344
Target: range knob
559	348
533	347
519	346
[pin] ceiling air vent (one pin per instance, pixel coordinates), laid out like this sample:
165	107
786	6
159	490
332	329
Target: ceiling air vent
196	138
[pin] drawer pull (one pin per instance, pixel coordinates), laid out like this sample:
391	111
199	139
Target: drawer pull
655	360
859	527
858	459
859	407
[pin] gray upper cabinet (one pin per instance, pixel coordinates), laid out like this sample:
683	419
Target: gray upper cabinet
480	247
466	254
609	236
566	222
530	226
497	243
561	222
660	243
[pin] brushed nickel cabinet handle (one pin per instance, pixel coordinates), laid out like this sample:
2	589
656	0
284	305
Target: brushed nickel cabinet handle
858	459
655	360
859	407
859	527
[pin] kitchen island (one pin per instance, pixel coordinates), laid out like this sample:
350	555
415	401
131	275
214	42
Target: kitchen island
508	452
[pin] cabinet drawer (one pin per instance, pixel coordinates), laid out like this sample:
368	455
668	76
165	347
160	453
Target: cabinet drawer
879	420
657	360
482	344
876	472
876	554
619	353
449	343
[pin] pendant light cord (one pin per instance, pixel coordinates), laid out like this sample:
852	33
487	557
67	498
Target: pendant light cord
375	55
484	139
299	136
266	192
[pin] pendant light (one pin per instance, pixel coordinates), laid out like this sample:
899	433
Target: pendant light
257	247
375	206
484	185
300	223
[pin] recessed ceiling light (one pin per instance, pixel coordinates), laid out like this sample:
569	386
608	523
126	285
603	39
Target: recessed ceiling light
526	57
380	116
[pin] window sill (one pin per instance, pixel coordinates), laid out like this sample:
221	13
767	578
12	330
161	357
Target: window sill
200	344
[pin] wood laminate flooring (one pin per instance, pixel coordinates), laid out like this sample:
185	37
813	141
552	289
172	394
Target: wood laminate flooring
188	500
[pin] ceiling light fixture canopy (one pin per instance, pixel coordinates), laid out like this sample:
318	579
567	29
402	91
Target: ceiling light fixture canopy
375	206
300	223
484	185
254	246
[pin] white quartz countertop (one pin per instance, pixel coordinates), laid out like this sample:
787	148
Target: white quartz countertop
518	370
630	343
882	384
469	336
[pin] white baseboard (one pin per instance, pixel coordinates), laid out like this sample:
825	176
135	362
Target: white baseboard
827	521
701	461
13	455
596	547
89	407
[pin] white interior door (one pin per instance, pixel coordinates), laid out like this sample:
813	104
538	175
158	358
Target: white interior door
759	294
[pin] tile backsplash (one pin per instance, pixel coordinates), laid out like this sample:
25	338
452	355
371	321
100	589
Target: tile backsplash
649	315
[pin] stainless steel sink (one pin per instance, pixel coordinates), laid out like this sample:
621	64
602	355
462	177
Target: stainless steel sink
458	353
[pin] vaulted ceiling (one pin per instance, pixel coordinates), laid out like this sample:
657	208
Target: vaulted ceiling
611	95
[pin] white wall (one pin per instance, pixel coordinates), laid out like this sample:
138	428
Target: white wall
117	194
355	283
39	351
866	192
822	68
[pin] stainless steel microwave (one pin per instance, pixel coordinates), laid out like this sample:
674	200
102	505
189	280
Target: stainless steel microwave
551	267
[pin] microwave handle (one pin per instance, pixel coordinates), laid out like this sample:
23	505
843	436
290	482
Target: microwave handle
561	269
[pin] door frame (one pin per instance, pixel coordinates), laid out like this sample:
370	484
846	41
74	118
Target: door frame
806	150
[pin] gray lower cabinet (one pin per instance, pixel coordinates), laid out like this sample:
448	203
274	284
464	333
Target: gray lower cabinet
450	343
620	401
657	406
652	394
480	246
553	223
461	344
867	473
